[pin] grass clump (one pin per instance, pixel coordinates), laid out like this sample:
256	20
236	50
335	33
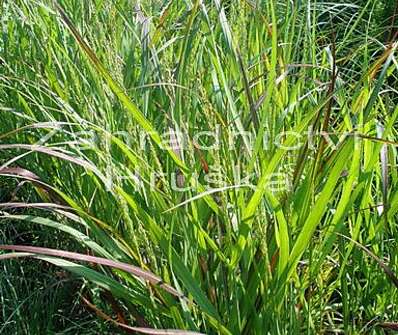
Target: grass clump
226	167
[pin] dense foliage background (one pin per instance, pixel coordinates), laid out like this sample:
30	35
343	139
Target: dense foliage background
263	240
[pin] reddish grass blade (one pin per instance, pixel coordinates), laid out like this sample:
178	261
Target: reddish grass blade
13	255
55	152
17	171
389	325
136	271
133	330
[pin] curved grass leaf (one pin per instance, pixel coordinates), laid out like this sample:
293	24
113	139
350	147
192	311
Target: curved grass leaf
145	275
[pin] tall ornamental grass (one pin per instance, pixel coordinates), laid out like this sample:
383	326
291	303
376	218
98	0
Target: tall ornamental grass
227	167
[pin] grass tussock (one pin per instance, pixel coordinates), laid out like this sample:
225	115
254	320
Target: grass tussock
214	167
